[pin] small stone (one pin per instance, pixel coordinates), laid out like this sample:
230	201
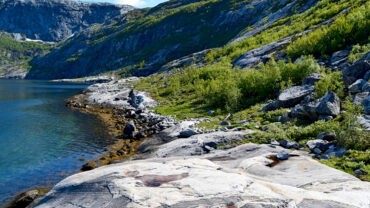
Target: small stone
360	172
289	144
225	123
325	118
187	133
282	156
274	142
211	112
328	136
265	128
129	130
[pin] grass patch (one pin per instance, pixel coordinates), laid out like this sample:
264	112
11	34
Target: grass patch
352	161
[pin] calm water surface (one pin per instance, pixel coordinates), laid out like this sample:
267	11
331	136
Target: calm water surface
41	140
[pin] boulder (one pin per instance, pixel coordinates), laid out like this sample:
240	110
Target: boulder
360	172
319	144
366	104
294	95
289	144
135	100
334	151
282	155
312	79
187	133
366	87
359	97
357	70
328	105
339	57
271	106
129	130
364	121
357	86
225	123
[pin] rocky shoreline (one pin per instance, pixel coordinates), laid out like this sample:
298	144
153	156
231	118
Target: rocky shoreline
178	165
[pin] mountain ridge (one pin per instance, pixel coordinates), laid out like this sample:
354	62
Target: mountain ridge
156	36
54	20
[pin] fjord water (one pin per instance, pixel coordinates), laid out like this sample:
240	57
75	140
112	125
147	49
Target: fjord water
41	140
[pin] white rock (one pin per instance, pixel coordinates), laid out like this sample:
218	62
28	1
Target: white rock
243	176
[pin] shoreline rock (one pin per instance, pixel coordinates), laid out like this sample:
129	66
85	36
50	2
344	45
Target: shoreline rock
244	176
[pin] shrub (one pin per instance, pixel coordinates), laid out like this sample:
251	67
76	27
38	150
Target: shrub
346	29
351	135
331	81
358	51
219	86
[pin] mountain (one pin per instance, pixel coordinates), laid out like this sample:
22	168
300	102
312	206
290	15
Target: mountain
14	55
144	40
54	20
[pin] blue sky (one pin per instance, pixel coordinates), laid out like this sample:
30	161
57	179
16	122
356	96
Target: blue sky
135	3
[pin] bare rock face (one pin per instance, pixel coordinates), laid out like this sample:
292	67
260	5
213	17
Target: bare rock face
357	70
246	176
54	20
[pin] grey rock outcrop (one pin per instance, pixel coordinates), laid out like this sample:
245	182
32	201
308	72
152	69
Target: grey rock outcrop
357	99
339	57
261	54
328	105
312	79
54	20
364	121
357	86
366	104
244	176
357	70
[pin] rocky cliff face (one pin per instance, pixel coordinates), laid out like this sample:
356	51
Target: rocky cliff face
54	20
158	35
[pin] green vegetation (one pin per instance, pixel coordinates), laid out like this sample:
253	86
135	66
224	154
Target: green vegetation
18	52
351	135
352	161
358	51
193	91
347	29
297	23
331	81
219	86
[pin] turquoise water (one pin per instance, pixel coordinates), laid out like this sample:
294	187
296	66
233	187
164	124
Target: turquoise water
41	140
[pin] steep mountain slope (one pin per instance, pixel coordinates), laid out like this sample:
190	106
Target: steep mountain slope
54	20
150	38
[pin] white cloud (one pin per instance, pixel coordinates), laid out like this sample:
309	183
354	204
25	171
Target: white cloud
139	3
135	3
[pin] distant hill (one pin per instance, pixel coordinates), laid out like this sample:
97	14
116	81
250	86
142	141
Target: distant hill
54	20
